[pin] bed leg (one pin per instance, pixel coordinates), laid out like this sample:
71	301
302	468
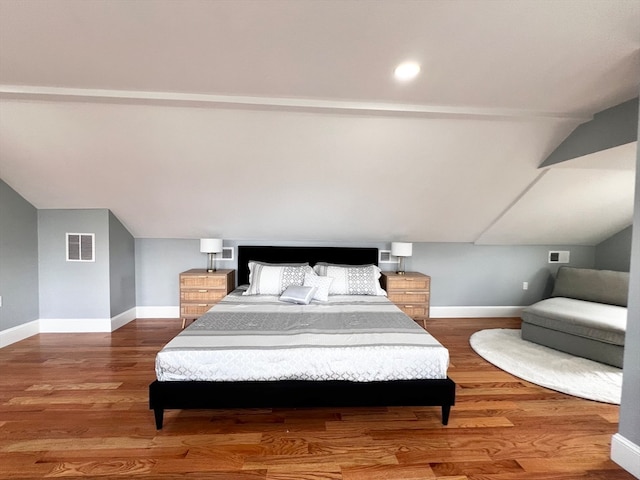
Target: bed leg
445	414
159	414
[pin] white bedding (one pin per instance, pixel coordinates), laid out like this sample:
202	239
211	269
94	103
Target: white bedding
258	338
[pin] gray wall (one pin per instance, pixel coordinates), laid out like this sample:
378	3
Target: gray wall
122	269
462	274
73	289
615	252
609	128
159	262
629	426
18	259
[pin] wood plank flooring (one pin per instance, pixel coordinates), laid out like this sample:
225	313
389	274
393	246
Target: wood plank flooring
75	405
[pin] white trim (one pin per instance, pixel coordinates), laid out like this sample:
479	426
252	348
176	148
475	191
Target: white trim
626	454
123	318
86	325
158	312
20	332
475	312
75	325
313	104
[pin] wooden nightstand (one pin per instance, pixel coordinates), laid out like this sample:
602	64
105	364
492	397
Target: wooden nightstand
200	290
410	292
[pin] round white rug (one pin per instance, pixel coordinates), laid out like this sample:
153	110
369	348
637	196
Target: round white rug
547	367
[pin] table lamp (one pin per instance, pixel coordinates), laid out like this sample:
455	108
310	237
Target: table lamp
401	250
211	246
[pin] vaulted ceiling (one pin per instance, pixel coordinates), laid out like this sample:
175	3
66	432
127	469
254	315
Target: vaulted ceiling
269	119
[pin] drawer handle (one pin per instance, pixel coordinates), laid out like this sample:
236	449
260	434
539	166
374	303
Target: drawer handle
203	291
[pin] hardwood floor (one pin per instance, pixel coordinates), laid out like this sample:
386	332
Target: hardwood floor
75	405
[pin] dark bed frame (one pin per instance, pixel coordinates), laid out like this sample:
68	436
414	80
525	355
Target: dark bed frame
300	393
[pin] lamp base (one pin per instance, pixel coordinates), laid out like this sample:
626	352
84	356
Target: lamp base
400	270
212	263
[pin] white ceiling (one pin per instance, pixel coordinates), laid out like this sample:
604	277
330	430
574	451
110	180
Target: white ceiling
280	120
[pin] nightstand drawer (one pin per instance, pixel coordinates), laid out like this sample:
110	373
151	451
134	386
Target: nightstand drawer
203	281
414	311
408	297
202	295
408	283
194	309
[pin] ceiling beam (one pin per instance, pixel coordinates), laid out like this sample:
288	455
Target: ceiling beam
63	94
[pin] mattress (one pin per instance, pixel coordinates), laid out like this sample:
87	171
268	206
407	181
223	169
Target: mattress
259	338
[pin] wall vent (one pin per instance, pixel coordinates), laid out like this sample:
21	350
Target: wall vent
559	256
227	253
81	247
384	256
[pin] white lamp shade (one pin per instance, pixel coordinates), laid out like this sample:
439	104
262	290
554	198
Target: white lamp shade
401	249
211	245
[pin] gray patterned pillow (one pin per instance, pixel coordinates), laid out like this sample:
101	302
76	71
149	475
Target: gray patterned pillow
352	279
273	279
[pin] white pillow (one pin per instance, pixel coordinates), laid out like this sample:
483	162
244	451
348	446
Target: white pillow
322	285
296	294
352	279
273	279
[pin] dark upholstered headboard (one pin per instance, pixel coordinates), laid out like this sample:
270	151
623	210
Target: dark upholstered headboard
313	255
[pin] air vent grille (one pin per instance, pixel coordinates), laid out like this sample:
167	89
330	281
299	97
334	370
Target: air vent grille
227	253
560	256
384	256
80	247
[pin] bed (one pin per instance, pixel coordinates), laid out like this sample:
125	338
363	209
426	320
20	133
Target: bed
245	331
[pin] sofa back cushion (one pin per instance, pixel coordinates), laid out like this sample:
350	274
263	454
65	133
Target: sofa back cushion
602	286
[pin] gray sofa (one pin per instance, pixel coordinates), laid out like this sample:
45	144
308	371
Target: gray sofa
586	315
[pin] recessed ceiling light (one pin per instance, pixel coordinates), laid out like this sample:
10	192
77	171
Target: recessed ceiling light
406	71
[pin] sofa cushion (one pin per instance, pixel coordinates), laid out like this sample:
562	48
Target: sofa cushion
605	323
602	286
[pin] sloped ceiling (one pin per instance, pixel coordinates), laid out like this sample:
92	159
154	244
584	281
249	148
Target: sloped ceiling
281	120
564	201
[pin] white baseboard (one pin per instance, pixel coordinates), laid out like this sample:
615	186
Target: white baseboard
15	334
65	325
475	312
75	325
626	454
122	319
85	325
157	312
